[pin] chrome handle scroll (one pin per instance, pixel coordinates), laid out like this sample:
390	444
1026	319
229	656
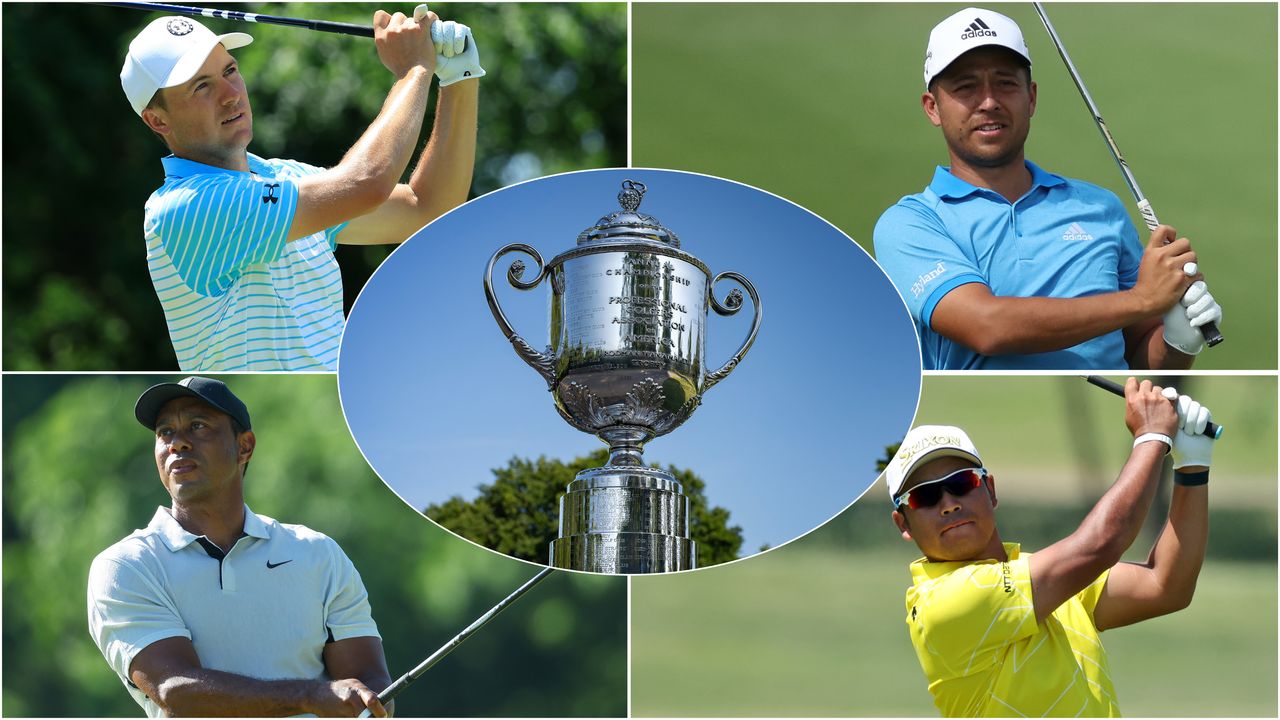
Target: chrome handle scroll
544	363
732	304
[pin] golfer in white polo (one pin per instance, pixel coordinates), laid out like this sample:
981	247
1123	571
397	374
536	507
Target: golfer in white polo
215	610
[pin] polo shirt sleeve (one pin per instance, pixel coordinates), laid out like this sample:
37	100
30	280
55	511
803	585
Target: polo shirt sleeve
346	605
1089	596
128	610
973	614
215	226
303	169
1131	249
917	253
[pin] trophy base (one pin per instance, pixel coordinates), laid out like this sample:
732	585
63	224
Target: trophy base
629	520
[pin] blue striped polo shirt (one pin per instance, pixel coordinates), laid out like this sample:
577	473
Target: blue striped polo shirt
236	296
1064	238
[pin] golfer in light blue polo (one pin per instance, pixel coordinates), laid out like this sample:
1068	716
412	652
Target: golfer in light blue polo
1006	266
241	248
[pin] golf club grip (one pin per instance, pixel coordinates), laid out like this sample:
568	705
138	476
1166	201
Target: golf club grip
1211	429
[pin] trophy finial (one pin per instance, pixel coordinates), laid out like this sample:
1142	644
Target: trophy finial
631	195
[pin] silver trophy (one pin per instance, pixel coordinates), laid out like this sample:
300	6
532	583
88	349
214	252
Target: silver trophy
626	364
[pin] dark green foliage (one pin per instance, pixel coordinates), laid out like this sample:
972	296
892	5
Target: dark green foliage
79	475
517	513
78	164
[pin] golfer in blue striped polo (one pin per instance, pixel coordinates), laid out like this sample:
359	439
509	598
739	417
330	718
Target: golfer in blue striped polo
1005	266
241	248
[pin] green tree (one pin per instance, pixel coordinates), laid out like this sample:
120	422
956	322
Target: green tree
517	513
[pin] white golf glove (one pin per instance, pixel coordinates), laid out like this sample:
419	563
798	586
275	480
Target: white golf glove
1191	447
457	56
1182	322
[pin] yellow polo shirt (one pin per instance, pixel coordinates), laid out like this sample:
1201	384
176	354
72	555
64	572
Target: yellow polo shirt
974	630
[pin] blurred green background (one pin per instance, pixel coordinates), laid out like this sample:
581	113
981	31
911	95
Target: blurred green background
816	627
78	164
820	103
79	475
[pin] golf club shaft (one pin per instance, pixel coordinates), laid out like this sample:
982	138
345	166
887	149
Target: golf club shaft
321	25
1210	330
405	680
1212	429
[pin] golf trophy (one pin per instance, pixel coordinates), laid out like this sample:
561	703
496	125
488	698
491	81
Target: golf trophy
625	363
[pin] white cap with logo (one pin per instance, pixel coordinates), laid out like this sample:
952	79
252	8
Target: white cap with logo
925	443
968	29
169	52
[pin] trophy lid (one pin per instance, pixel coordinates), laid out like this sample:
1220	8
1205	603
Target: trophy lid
627	225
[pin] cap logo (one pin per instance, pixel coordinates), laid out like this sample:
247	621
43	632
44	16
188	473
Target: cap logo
179	26
976	29
905	453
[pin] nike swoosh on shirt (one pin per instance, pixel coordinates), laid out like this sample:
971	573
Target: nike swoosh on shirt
271	566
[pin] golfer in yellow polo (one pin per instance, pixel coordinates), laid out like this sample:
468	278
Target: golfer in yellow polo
1002	632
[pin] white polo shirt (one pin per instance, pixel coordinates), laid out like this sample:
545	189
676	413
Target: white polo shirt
265	610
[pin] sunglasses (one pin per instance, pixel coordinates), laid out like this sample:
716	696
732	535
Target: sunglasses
957	484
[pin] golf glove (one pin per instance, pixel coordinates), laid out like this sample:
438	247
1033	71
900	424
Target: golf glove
458	58
1191	447
1182	322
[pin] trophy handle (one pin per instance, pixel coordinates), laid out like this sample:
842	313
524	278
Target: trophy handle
732	303
544	363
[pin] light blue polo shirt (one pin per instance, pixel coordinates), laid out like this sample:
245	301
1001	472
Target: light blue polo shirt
1064	238
236	296
265	609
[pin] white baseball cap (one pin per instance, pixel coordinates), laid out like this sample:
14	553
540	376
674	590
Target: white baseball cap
925	443
968	29
169	52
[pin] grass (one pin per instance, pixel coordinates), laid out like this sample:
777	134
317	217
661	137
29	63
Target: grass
804	632
819	103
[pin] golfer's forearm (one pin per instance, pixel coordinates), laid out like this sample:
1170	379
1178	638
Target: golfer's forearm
994	325
442	179
1178	555
1113	524
376	161
209	693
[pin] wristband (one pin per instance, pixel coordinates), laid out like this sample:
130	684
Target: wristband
1148	437
1190	479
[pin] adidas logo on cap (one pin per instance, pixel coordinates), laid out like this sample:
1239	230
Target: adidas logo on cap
977	29
1076	233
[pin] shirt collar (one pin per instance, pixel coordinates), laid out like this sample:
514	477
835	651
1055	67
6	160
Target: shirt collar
946	185
178	168
176	537
924	569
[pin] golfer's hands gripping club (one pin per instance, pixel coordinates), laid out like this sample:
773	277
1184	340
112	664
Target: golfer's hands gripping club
1192	447
1162	278
404	43
346	698
458	58
1147	410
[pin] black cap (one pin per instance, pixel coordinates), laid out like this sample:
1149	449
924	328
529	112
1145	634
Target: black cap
214	392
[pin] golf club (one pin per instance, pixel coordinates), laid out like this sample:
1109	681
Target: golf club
1212	429
321	25
1209	330
405	680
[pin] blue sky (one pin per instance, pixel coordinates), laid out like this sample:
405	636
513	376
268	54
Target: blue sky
436	398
